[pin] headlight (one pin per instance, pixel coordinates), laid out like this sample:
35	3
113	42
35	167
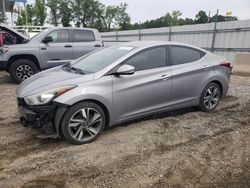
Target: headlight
45	97
4	50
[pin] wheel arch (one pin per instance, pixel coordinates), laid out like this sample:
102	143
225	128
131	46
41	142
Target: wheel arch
222	83
61	112
219	84
23	56
103	107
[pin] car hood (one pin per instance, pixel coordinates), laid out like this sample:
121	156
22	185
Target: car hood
13	32
50	79
23	46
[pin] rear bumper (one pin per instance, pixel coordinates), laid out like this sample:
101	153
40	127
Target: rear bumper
43	118
3	65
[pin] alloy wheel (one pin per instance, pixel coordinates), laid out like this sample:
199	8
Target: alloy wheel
24	71
85	124
211	97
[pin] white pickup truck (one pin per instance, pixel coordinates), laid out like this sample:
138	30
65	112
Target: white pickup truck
52	47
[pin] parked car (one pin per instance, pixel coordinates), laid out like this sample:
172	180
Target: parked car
120	83
50	48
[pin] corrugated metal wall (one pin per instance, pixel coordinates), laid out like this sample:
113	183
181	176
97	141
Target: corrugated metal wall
230	37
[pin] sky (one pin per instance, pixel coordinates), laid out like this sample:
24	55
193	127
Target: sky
142	10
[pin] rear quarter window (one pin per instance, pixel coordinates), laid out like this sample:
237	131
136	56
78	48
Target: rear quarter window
181	55
83	36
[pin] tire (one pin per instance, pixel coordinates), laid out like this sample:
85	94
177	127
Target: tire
78	127
22	69
210	97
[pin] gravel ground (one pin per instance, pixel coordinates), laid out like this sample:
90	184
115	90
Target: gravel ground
184	148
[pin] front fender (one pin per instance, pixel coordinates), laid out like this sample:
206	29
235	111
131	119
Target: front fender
99	90
22	50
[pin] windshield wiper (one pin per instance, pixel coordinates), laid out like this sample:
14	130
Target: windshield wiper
76	70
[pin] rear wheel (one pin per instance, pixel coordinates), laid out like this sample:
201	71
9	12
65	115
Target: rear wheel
83	123
210	97
22	69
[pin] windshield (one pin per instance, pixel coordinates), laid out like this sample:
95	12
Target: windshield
102	58
37	36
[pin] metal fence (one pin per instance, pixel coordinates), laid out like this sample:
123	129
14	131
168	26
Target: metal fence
224	38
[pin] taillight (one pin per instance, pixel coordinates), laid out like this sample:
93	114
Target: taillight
226	64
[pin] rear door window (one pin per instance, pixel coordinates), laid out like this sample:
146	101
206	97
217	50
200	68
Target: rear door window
83	36
181	55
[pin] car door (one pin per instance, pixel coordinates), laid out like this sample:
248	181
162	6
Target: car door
59	51
84	42
189	69
148	89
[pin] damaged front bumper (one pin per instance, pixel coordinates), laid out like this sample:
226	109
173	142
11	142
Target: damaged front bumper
45	118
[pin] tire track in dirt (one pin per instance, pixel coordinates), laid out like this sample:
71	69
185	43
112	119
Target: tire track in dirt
135	159
119	167
51	162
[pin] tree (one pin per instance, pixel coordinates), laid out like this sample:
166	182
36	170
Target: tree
96	20
168	21
39	12
175	17
123	19
65	13
3	18
110	16
117	17
222	18
164	21
76	10
186	21
21	19
201	17
30	13
82	11
54	6
88	13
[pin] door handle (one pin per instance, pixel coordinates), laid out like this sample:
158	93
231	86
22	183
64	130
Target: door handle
97	45
205	67
67	46
165	77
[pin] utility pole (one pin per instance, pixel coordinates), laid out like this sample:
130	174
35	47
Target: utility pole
139	31
11	13
4	9
26	16
215	28
208	20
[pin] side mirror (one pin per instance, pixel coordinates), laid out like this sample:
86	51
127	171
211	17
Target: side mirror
47	39
125	70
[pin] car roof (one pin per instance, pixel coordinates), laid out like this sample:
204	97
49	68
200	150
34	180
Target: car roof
77	28
145	44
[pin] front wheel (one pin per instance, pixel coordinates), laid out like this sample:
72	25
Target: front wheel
83	123
22	69
210	97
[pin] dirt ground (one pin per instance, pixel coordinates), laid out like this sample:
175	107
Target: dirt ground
184	148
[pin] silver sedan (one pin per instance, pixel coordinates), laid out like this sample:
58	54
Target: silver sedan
120	83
